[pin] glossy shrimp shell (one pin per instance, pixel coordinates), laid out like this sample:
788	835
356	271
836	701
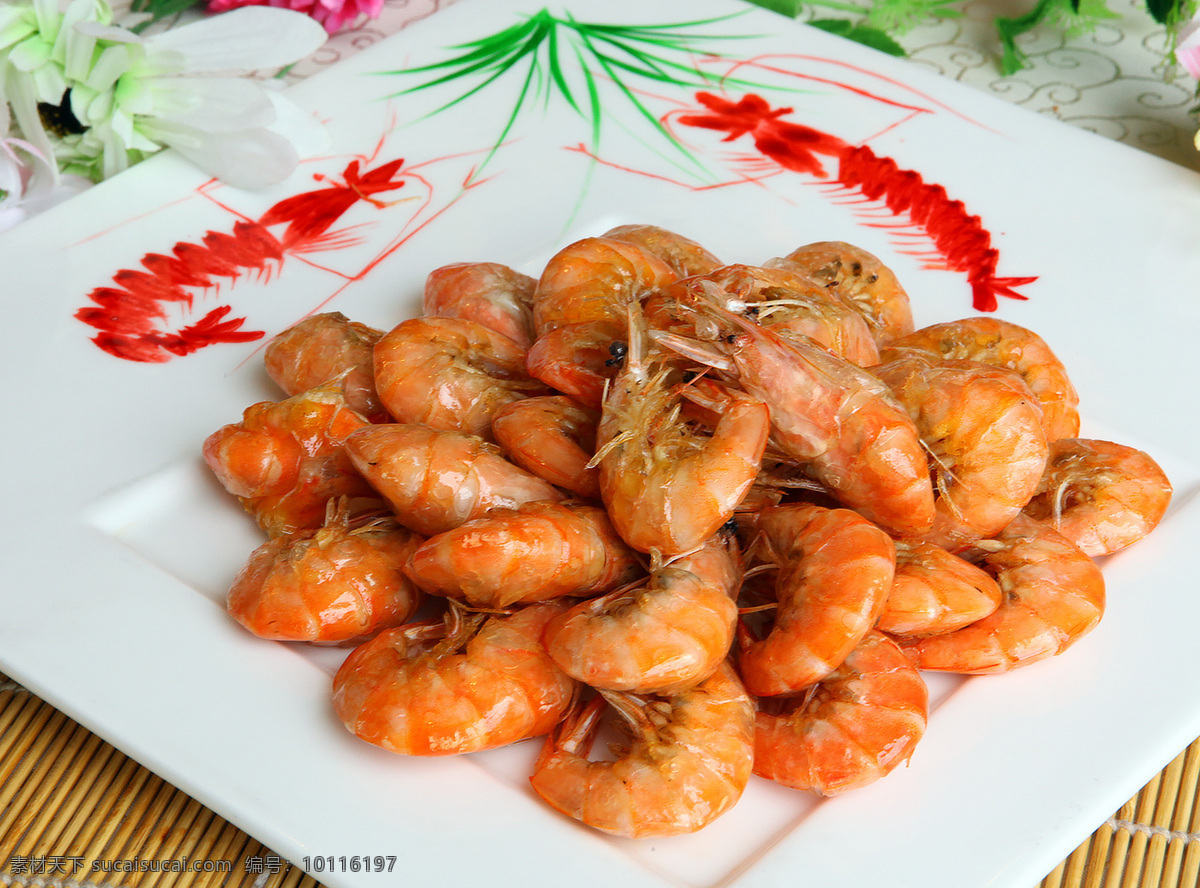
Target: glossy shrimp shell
536	552
554	437
935	591
658	636
853	728
488	293
481	683
1100	495
436	480
685	256
1053	596
688	762
834	572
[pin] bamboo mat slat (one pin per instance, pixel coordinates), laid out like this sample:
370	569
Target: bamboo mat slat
71	805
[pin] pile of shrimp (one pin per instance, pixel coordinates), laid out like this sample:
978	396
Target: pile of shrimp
730	513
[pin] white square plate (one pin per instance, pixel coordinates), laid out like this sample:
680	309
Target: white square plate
118	546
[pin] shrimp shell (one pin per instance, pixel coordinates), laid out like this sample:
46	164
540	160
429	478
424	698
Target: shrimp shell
660	636
436	480
470	691
685	256
688	762
494	295
1053	596
835	569
853	728
536	552
450	373
935	591
1100	495
554	437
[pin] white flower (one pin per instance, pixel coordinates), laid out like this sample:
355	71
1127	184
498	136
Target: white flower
29	181
125	96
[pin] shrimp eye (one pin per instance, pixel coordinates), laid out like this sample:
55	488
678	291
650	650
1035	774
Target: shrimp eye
689	375
618	350
731	338
730	526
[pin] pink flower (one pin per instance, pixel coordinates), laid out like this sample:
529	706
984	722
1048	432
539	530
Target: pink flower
333	14
1187	47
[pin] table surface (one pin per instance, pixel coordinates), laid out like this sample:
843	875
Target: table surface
74	811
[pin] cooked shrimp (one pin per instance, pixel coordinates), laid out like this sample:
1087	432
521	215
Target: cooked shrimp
436	480
684	255
935	591
835	417
982	427
285	460
554	437
687	763
834	572
1005	344
659	636
342	582
324	347
860	278
1100	495
1053	596
579	312
472	683
850	730
669	487
535	552
494	295
450	374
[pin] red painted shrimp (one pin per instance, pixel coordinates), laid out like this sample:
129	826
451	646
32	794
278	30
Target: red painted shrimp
687	763
850	730
1013	347
982	427
285	460
667	486
580	314
685	256
836	418
494	295
1053	596
344	581
834	570
1100	495
437	480
658	636
536	552
935	591
450	374
470	683
325	347
554	437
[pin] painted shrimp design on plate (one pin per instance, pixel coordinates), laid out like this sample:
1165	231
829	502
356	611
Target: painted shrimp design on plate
135	318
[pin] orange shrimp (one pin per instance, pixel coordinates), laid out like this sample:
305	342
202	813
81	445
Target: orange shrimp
1005	344
554	437
860	278
324	347
834	572
667	486
1053	596
450	374
1100	495
435	480
659	636
853	728
536	552
494	295
285	460
935	591
687	763
342	582
982	427
685	256
835	417
579	312
468	684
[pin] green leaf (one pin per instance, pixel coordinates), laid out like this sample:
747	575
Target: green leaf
161	9
872	37
1013	59
790	8
1166	11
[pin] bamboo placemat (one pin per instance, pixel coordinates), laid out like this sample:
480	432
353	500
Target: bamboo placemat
76	813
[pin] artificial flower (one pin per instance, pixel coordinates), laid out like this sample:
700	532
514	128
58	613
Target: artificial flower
29	180
333	14
1187	47
101	97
